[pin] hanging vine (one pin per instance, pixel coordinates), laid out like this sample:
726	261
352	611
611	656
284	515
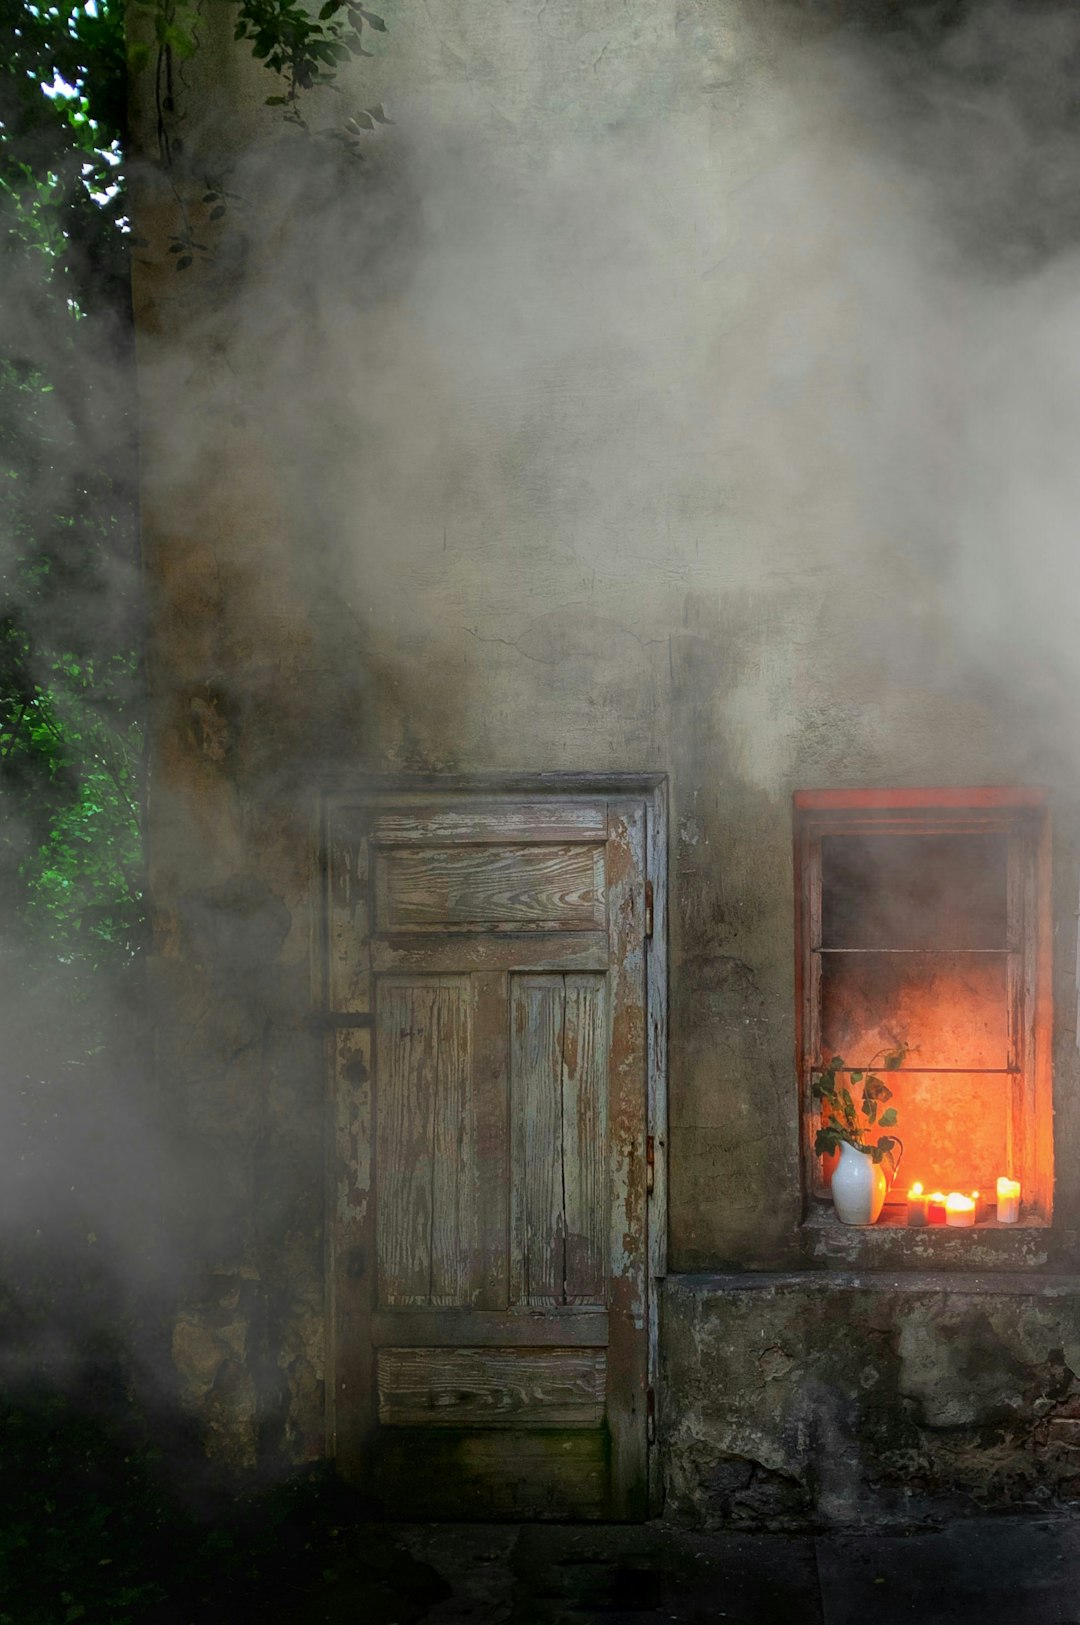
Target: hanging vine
303	49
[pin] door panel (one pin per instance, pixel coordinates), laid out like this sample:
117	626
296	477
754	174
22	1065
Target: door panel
464	1473
558	1056
480	1387
489	888
489	1278
425	1150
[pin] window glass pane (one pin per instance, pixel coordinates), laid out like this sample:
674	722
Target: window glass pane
913	891
954	1127
950	1009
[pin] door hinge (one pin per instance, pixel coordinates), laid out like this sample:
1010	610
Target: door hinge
650	1163
648	909
650	1415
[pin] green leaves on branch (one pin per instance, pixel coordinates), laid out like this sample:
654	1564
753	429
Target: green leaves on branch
845	1121
305	50
175	28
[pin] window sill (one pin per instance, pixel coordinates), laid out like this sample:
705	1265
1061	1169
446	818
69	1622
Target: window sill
892	1245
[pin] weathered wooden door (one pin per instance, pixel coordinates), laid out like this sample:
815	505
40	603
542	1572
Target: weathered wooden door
487	994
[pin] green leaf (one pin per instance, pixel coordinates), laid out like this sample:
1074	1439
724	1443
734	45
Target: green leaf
138	56
177	40
182	264
372	21
379	114
888	1117
329	9
361	121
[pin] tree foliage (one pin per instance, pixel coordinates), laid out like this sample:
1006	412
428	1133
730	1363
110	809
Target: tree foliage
70	725
70	735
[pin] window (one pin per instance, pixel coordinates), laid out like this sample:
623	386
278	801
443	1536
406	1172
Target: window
922	920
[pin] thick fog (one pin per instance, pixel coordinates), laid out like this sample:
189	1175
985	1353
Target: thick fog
625	301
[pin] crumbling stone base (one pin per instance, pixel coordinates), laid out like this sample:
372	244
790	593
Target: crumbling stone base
829	1399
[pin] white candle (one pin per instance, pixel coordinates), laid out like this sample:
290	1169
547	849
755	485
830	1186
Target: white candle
1008	1200
959	1210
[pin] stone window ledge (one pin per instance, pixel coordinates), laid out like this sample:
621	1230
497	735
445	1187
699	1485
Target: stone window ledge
825	1240
913	1282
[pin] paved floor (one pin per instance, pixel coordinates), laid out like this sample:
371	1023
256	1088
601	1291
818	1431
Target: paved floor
999	1571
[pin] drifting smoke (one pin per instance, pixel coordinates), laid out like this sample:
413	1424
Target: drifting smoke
718	302
641	309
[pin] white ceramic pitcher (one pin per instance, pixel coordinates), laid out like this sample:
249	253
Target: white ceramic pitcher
858	1186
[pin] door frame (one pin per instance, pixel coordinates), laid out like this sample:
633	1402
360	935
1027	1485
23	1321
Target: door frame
361	789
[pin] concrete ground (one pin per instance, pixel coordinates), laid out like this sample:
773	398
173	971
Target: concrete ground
988	1571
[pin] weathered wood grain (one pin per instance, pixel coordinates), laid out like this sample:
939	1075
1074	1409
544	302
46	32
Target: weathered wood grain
456	1231
488	888
491	1387
518	1327
538	951
350	1417
348	959
558	1068
421	1032
656	827
520	822
488	1285
627	1066
509	1157
537	1244
584	1138
484	1473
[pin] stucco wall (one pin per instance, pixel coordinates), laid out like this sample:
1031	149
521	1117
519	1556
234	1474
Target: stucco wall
594	429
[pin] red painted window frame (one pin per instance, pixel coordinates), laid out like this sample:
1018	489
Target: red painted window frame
1023	813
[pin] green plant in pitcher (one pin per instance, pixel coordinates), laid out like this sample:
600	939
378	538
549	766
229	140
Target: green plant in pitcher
849	1120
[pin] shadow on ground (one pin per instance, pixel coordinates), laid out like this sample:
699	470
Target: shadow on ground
109	1516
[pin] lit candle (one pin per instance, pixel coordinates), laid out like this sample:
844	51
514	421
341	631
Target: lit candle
916	1206
1008	1200
935	1208
959	1210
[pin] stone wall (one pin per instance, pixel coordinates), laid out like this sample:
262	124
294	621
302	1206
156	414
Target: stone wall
819	1399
